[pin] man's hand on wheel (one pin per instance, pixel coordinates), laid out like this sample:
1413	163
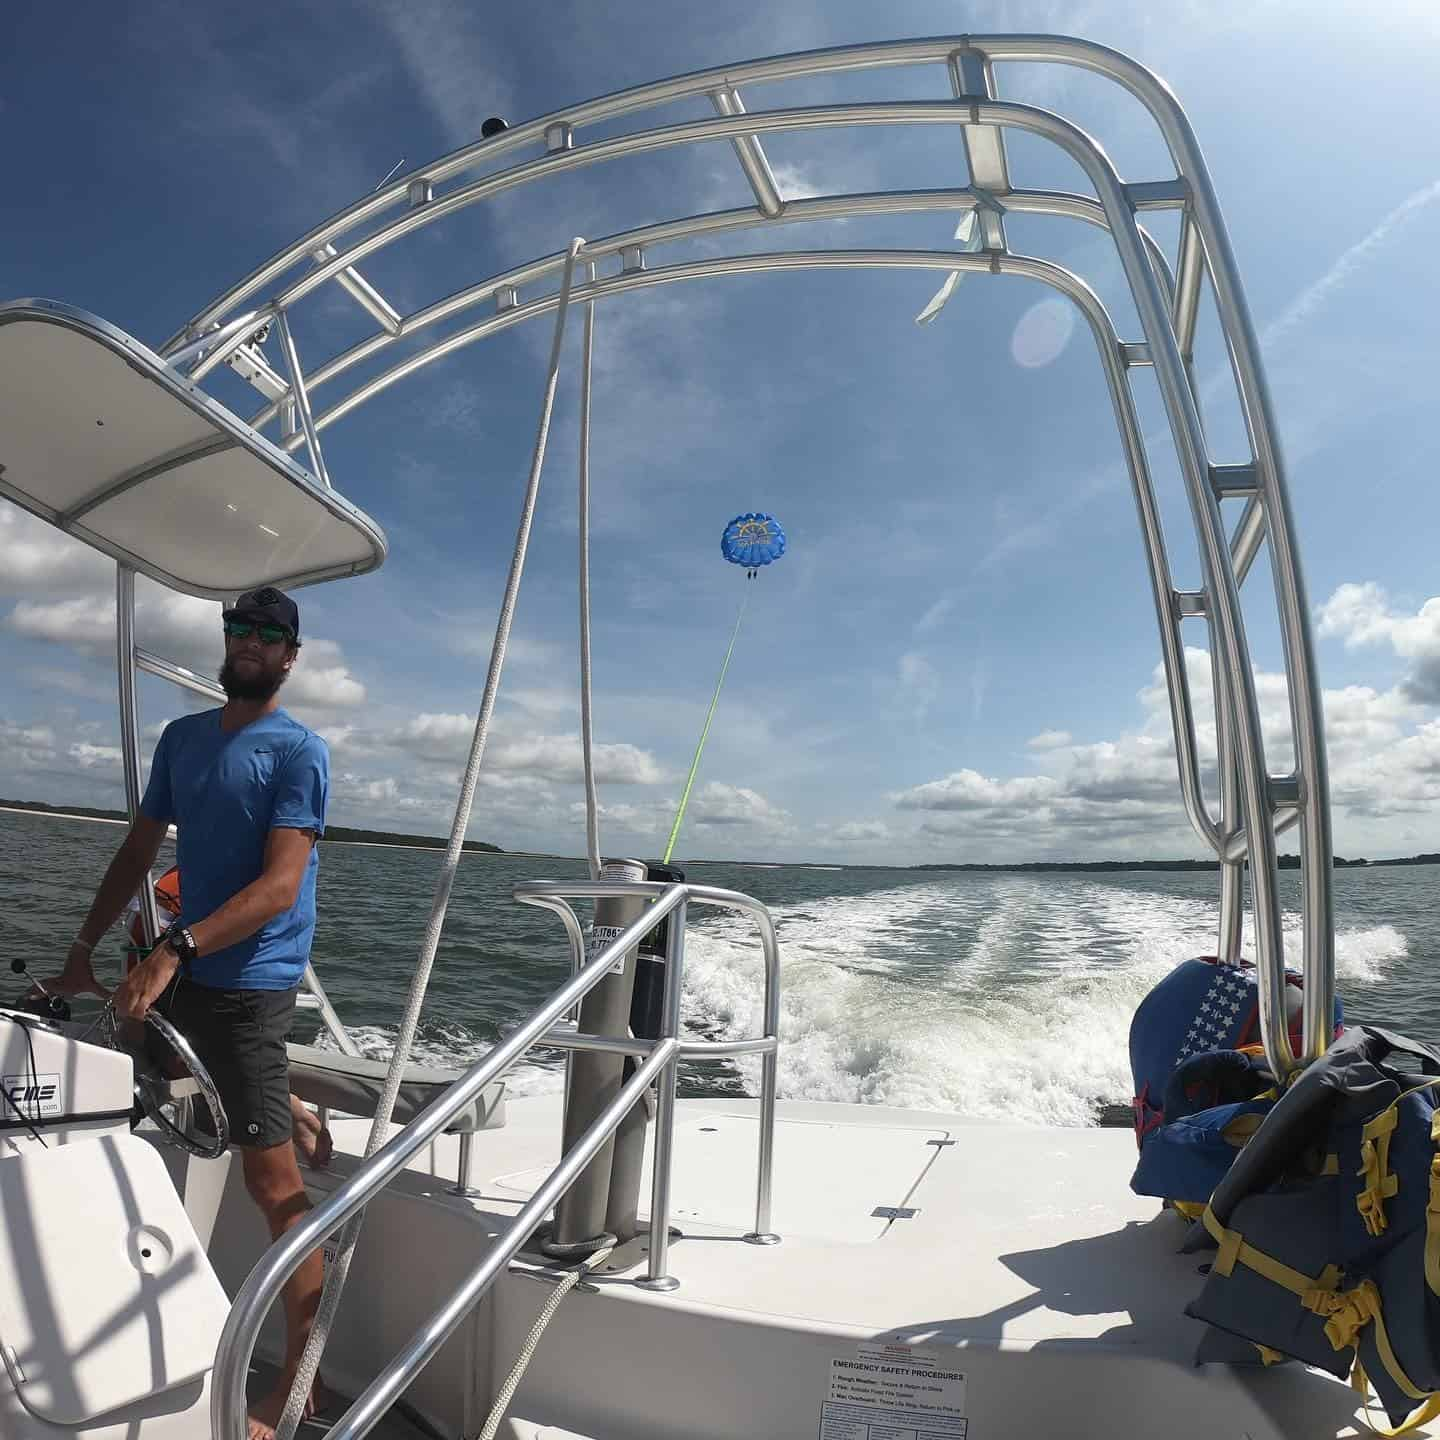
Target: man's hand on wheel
144	985
77	978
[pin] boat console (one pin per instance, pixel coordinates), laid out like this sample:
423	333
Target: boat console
56	1089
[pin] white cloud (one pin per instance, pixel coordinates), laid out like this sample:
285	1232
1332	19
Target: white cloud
797	182
75	609
371	792
88	756
720	804
83	623
969	790
858	832
36	558
1121	796
1049	740
445	738
322	678
27	747
652	819
1361	615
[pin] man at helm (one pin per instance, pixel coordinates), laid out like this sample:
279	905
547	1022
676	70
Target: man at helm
246	788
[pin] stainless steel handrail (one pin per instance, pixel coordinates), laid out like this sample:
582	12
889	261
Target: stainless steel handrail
1057	204
551	894
392	1381
937	50
265	1282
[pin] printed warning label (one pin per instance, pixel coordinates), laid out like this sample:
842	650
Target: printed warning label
894	1392
600	937
32	1097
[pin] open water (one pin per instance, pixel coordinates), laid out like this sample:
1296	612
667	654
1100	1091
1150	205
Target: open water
990	995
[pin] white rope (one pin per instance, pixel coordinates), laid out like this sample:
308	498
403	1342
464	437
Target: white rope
506	1393
404	1040
592	799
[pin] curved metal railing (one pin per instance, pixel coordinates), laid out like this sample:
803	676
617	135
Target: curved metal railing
657	1062
1253	801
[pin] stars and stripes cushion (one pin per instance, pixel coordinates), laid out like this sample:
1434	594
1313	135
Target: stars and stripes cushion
1200	1006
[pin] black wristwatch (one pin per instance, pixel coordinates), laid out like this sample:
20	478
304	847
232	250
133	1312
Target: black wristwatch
182	942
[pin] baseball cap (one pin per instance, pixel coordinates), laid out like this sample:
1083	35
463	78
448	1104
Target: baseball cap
266	605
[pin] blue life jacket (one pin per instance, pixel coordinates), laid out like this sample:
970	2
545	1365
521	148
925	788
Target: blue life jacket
1213	1103
1328	1223
1200	1006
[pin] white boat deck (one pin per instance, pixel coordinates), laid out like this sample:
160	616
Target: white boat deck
1028	1265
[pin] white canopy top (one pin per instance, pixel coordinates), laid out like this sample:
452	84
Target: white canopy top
100	437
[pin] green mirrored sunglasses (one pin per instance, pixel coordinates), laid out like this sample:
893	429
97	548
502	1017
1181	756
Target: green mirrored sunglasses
243	630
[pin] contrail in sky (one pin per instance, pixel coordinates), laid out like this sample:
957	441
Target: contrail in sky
1314	296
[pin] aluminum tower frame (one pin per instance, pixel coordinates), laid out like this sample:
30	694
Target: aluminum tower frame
1254	804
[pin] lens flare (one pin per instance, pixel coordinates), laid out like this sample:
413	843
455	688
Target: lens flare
1042	333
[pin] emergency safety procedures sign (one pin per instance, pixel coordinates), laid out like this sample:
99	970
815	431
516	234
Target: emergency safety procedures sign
892	1392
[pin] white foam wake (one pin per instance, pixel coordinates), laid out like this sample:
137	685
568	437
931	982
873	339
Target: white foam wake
451	1047
1000	997
1022	1014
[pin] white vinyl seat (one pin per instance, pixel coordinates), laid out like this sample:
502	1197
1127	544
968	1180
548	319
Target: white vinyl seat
352	1085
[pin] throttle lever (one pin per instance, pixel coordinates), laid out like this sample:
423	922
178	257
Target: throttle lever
57	1006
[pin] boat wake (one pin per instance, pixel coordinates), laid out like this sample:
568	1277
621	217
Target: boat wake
1009	1000
1005	998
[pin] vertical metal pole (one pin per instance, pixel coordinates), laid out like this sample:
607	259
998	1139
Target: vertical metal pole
656	1278
595	1079
1232	872
587	725
762	1234
769	1067
462	1166
130	729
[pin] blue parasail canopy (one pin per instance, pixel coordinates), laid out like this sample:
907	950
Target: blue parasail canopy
753	540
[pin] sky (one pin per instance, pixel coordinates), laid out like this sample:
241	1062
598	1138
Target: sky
957	658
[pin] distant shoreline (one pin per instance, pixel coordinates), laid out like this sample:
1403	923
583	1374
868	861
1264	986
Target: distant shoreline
20	807
395	840
334	835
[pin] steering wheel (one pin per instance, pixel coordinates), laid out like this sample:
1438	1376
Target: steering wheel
156	1100
153	1091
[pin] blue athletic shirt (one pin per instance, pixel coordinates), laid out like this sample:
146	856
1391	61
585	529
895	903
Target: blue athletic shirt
225	792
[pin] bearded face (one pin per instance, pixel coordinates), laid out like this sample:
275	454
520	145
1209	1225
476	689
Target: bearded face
254	670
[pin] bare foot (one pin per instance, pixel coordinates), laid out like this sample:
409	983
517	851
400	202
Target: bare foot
312	1139
264	1415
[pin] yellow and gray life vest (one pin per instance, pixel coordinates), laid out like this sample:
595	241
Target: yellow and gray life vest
1328	1224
